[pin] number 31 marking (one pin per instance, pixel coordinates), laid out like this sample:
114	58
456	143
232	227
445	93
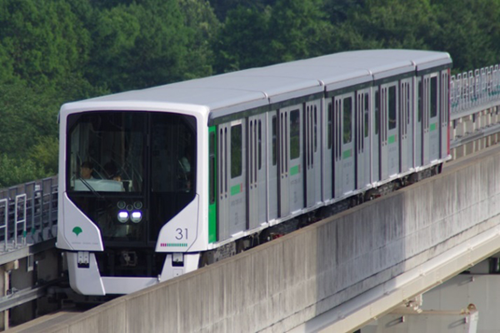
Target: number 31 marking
181	233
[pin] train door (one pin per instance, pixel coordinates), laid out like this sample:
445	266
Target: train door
375	135
390	140
312	156
418	119
232	211
430	126
272	164
445	113
256	171
290	159
362	139
405	128
425	120
434	121
344	144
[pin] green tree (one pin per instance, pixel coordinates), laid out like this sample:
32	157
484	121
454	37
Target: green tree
45	154
243	41
292	29
388	24
223	7
203	27
338	10
114	37
469	31
27	114
140	45
19	170
298	29
42	38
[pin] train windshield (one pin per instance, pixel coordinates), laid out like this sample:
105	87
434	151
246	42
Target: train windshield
106	152
130	172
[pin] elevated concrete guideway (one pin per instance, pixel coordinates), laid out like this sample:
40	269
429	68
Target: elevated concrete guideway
344	270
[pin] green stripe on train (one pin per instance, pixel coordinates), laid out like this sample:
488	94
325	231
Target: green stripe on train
212	206
432	127
236	189
347	154
294	170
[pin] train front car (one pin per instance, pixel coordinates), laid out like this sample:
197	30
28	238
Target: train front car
129	184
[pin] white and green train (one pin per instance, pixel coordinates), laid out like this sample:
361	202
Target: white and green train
154	183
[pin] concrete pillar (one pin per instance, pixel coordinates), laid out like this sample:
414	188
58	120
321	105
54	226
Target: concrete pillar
4	286
5	281
21	279
47	269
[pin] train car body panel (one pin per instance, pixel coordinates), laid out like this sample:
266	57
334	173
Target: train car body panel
376	137
257	173
328	151
272	166
419	123
406	125
312	153
232	199
363	147
390	103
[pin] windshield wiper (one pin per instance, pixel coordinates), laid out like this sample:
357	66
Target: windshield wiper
91	189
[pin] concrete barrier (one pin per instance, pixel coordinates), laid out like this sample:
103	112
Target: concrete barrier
282	284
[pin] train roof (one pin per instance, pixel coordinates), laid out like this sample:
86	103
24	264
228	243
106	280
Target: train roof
235	92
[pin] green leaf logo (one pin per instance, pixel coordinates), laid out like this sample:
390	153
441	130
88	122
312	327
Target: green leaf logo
77	230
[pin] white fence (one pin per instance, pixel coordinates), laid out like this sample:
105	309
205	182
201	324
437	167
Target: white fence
474	91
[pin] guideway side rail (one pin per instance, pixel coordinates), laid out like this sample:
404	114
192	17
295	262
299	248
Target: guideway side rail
28	214
475	101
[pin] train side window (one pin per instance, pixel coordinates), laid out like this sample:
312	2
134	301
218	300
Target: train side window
434	95
366	108
377	111
211	152
329	138
259	137
420	104
273	148
236	151
408	104
315	129
294	134
338	114
221	164
347	120
444	93
392	107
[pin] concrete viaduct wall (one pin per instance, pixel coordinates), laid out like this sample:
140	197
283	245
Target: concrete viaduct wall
280	285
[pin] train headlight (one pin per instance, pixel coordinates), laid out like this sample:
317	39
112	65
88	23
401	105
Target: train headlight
122	216
136	216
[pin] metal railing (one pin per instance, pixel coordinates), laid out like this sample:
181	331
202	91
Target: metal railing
28	214
474	91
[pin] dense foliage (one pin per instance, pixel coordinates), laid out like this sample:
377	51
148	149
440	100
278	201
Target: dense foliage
54	51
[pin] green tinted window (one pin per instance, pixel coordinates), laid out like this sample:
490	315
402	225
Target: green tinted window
347	119
434	99
236	151
294	134
392	107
